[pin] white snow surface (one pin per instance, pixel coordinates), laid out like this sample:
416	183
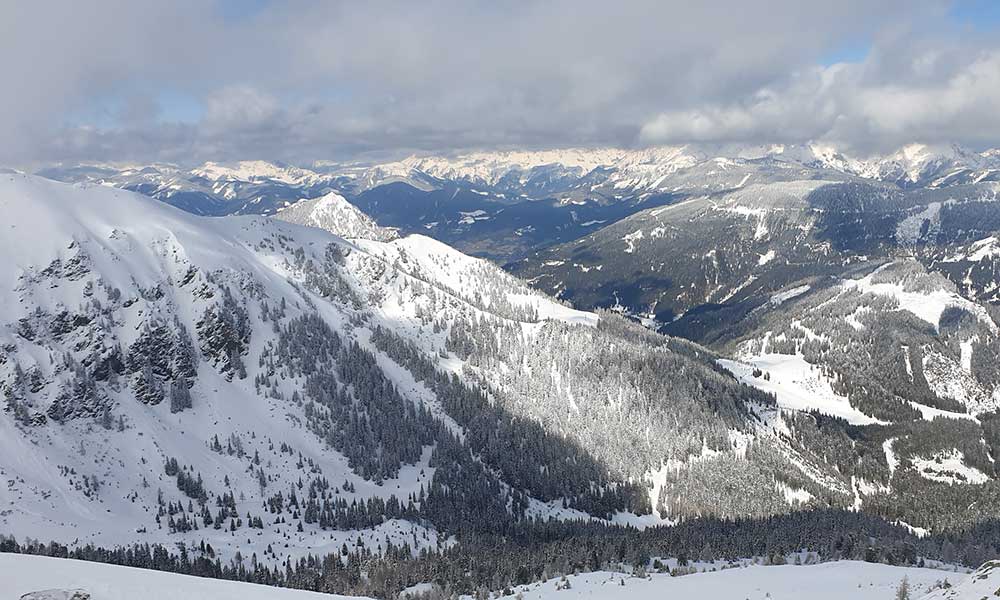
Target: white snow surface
21	574
909	229
950	378
781	297
846	580
984	582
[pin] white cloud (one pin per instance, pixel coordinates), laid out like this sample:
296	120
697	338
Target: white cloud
318	79
845	104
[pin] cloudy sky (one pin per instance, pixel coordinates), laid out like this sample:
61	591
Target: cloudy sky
185	80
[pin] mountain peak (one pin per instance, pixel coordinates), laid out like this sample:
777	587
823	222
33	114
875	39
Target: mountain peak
335	214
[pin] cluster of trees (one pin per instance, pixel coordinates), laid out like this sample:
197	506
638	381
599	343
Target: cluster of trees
324	277
530	456
163	363
348	400
224	333
187	482
604	390
93	360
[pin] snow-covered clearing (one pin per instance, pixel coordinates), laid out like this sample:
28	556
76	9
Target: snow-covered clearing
797	385
780	297
927	305
948	467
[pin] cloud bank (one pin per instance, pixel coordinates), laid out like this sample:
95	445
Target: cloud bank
186	81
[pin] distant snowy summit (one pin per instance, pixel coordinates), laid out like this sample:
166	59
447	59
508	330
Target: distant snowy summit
335	214
626	171
505	205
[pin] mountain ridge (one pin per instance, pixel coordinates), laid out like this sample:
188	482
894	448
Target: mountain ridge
503	205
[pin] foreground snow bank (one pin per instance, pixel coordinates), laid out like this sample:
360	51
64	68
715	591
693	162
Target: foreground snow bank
983	583
21	574
827	581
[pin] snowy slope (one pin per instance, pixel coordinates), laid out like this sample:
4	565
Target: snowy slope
853	307
984	582
21	574
827	581
926	304
897	348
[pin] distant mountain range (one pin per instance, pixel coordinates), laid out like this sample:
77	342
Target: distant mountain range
504	205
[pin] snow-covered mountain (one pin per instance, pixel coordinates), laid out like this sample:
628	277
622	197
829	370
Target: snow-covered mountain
850	300
256	170
335	214
897	348
249	385
273	389
133	337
